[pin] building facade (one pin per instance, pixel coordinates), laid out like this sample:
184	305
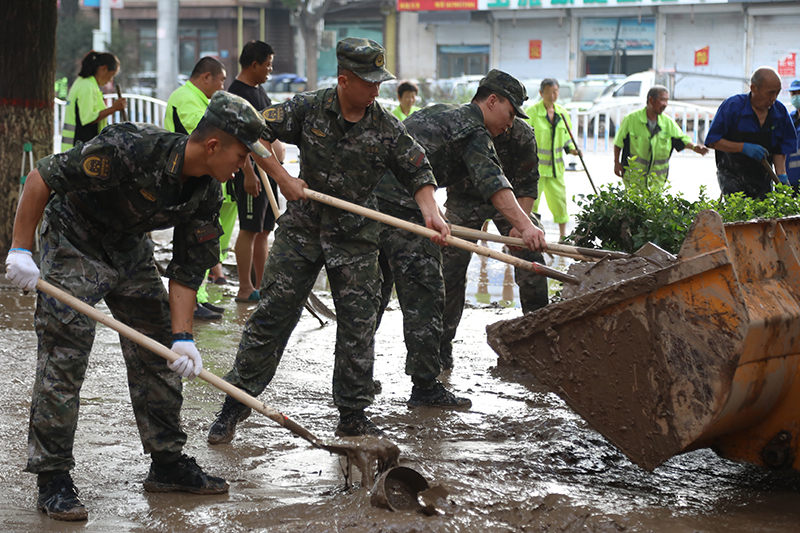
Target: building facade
712	45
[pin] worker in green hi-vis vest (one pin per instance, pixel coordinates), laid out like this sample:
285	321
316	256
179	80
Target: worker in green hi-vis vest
86	111
185	107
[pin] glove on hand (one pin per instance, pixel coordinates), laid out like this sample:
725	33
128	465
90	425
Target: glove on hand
21	270
756	151
784	179
190	363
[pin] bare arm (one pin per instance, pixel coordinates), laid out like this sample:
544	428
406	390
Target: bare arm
279	151
526	203
430	210
506	203
291	187
724	145
118	105
697	148
31	207
182	300
619	169
779	160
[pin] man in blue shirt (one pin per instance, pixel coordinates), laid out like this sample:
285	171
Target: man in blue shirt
793	159
749	128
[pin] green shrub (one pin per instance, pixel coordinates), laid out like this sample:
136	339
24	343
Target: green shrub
625	219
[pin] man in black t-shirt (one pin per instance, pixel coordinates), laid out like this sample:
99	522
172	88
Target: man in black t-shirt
256	218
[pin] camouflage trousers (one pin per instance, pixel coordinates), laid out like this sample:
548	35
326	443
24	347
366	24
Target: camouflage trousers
91	266
455	262
413	264
287	281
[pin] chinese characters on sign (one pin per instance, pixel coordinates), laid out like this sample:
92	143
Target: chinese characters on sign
786	66
535	49
437	5
701	57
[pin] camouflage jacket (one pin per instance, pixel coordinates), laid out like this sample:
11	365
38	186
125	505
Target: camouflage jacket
127	181
458	146
516	149
344	163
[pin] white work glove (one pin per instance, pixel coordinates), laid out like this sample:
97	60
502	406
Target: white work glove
189	364
21	270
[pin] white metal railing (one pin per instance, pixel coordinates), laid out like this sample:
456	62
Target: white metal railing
140	109
594	129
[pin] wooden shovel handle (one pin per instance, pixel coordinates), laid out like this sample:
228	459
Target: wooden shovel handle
474	234
169	355
454	241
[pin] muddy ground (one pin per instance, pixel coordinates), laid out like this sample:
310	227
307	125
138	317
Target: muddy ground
518	460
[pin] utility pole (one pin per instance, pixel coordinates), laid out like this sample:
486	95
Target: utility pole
102	38
167	52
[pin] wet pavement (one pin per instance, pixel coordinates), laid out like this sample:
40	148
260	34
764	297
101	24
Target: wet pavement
518	460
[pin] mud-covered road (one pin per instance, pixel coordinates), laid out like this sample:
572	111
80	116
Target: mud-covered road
519	460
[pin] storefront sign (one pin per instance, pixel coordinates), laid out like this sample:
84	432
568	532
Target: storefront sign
535	49
622	34
701	57
487	5
786	66
437	5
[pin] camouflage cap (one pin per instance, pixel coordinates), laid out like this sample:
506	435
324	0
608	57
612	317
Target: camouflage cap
507	86
236	116
364	57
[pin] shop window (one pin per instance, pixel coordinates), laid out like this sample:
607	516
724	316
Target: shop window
456	61
194	44
147	49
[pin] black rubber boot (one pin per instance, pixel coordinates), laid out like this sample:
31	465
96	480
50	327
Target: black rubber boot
356	424
224	427
59	499
436	396
183	475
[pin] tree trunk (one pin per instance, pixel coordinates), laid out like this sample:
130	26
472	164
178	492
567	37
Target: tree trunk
27	61
311	39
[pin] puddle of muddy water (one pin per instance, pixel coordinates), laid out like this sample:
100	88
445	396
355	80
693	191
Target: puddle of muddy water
518	460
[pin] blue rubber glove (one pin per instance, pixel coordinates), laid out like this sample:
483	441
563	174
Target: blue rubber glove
784	179
756	151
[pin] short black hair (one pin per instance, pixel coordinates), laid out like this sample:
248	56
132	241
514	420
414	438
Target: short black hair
205	129
405	87
484	92
656	91
207	64
257	51
548	82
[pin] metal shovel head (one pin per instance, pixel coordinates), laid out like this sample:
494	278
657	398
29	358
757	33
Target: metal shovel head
398	489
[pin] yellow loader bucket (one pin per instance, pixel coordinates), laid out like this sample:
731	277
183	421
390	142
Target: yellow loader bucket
701	353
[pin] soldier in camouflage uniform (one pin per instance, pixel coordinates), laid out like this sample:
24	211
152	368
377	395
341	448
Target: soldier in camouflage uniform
346	141
107	194
465	206
458	142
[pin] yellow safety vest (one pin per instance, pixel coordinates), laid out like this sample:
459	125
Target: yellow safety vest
84	103
551	139
652	151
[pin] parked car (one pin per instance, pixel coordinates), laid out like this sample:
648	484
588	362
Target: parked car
589	88
630	90
284	86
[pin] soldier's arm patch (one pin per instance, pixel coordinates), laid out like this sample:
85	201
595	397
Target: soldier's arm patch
417	159
206	233
97	166
274	114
